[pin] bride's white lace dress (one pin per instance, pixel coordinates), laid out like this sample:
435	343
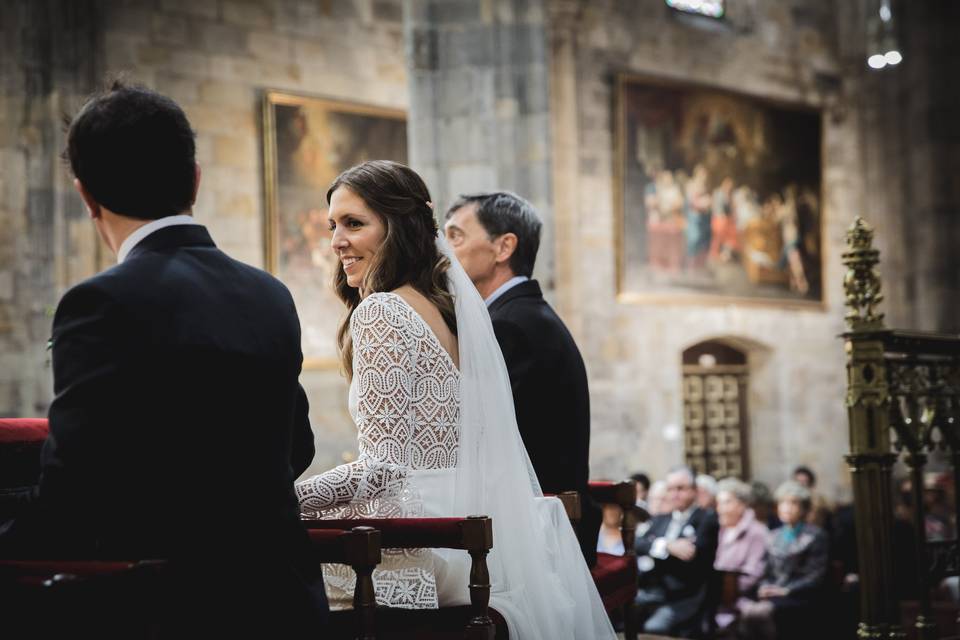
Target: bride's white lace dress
436	441
405	400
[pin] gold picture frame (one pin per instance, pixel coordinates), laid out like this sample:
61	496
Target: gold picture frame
718	197
307	142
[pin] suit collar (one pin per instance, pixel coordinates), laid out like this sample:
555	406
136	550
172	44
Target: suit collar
528	289
172	237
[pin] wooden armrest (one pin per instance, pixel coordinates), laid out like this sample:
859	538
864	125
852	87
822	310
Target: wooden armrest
571	504
473	534
360	548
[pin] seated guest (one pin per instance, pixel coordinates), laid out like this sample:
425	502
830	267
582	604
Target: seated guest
657	498
796	564
610	539
763	505
820	508
680	548
706	491
174	369
642	481
743	540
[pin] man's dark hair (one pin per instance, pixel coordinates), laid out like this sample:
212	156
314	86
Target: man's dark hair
503	212
642	479
806	471
133	150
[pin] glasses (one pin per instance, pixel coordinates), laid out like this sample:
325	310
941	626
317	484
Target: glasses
683	487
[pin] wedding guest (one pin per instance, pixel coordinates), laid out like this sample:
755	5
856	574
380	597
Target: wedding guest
610	539
706	491
657	498
680	547
743	540
796	565
496	237
642	481
820	508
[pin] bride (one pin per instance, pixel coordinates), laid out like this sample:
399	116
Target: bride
437	431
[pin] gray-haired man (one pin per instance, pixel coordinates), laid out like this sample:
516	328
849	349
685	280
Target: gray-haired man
495	237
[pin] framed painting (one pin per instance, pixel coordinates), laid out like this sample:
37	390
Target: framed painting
718	197
307	143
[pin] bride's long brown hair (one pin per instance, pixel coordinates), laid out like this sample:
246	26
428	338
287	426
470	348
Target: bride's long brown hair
408	254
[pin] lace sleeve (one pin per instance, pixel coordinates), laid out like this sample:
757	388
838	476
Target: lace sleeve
384	361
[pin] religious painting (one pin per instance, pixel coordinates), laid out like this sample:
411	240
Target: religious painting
718	197
307	143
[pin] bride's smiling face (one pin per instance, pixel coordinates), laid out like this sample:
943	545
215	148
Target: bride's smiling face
358	233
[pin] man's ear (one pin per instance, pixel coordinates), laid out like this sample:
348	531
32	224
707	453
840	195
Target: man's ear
506	245
196	182
93	207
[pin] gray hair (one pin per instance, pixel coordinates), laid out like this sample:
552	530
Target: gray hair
707	482
737	488
501	212
684	469
793	490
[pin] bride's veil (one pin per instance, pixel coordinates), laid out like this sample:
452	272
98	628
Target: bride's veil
540	582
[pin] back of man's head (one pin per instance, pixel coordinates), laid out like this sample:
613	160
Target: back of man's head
503	212
133	150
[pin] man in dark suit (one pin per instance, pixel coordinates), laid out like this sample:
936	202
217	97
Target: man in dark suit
495	237
675	556
178	425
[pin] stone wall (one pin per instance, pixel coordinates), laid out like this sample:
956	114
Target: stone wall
780	50
515	94
215	58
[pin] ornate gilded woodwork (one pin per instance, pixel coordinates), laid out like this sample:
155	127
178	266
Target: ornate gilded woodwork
903	401
862	282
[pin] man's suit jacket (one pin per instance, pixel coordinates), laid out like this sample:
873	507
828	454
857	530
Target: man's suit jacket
677	578
551	398
178	428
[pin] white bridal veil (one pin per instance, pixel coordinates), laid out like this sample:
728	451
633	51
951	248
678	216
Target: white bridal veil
540	582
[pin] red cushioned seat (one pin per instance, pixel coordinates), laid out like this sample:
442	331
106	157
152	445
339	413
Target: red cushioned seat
23	430
616	579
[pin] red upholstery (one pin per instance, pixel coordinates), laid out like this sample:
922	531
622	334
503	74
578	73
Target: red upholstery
21	440
404	533
616	579
23	430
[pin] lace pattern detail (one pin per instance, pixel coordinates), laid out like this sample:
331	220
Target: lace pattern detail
407	416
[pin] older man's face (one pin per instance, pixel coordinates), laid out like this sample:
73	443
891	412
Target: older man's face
681	491
471	244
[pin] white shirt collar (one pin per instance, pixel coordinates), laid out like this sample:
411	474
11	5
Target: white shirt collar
506	286
684	515
142	232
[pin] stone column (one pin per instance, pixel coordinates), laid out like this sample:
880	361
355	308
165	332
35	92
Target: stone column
479	103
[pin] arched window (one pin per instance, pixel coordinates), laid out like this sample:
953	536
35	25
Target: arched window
715	409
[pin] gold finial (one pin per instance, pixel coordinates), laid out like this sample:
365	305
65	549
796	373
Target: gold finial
862	282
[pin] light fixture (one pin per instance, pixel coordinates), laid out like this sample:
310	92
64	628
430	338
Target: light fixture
881	43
